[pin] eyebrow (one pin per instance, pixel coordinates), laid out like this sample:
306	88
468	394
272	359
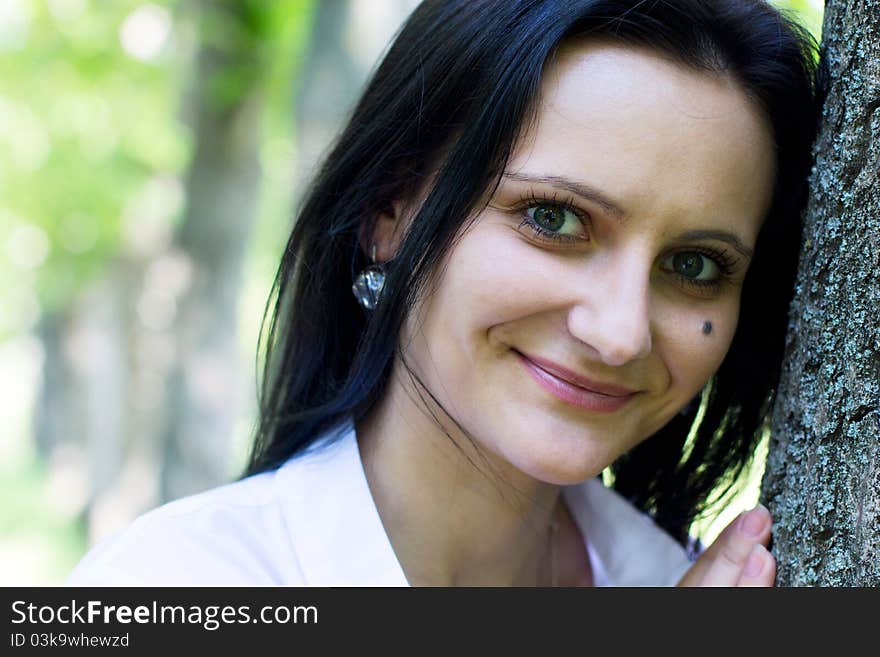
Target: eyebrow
582	190
593	194
720	235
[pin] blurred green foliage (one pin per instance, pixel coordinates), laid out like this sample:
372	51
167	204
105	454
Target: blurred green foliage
46	544
807	12
94	131
95	139
85	126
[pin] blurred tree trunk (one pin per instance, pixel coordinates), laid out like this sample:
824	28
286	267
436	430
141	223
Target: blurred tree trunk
52	413
822	482
329	86
347	40
82	423
222	193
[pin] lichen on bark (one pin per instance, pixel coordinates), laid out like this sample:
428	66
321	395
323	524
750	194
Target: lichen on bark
822	480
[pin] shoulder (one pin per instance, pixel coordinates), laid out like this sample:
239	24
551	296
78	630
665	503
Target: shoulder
230	535
290	526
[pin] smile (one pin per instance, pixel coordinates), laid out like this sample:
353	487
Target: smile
573	394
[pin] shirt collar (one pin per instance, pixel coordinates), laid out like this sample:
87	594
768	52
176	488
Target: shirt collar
627	548
334	525
339	540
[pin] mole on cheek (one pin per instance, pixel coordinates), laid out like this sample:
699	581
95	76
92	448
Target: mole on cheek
707	327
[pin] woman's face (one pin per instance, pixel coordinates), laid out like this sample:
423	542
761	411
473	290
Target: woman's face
621	231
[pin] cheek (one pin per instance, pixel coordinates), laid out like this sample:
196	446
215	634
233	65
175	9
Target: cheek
488	281
693	356
491	279
458	300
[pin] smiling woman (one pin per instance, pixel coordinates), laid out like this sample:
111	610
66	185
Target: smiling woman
572	219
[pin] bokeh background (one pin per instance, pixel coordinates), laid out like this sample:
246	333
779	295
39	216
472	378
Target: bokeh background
151	156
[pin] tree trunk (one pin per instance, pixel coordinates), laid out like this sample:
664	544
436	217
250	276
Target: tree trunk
347	40
822	482
222	193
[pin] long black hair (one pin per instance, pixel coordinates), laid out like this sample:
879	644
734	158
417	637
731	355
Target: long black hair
455	91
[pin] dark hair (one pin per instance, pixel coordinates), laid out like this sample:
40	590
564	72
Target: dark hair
451	97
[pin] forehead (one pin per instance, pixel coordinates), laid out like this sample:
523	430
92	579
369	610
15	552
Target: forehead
666	140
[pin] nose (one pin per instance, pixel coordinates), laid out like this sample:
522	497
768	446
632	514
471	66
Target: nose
611	314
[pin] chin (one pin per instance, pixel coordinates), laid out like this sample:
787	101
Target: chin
563	467
565	477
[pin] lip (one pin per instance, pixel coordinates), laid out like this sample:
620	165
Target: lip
575	389
576	379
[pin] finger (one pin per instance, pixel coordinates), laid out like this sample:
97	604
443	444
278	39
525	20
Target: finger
698	572
722	563
733	548
759	569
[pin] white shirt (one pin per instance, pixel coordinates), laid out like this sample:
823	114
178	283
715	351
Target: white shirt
313	522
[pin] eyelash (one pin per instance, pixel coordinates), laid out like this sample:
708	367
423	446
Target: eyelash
723	260
531	200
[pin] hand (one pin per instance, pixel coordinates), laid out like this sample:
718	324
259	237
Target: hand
739	556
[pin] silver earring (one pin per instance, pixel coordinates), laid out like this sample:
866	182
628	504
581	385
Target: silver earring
368	285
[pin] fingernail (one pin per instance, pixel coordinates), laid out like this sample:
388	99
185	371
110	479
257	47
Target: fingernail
755	562
753	522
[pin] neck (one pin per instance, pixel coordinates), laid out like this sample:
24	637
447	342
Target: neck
455	515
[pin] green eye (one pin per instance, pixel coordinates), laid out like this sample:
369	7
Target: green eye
552	217
548	216
554	221
693	266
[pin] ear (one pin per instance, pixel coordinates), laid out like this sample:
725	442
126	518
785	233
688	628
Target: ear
386	235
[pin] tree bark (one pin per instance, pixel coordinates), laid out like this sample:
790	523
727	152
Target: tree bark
822	482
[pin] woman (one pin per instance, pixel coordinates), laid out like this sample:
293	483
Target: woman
572	229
